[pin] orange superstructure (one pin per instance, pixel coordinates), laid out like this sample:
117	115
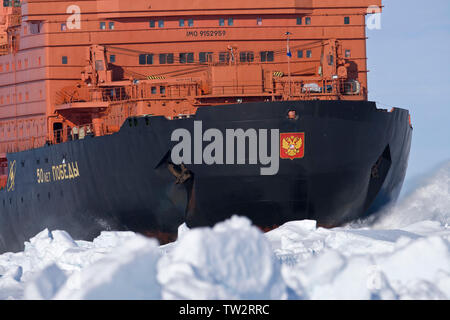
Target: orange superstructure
73	68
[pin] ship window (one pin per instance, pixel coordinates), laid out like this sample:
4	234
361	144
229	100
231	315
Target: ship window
348	53
63	27
152	23
181	23
224	56
230	21
191	22
205	57
145	59
102	25
112	58
308	20
7	3
330	60
346	20
162	90
187	57
247	56
267	56
111	25
161	23
153	90
166	58
64	60
17	3
35	27
308	53
300	54
221	22
299	21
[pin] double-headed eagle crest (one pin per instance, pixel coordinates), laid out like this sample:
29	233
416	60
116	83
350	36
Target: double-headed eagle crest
292	145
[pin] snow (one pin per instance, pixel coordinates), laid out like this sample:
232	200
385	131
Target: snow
403	254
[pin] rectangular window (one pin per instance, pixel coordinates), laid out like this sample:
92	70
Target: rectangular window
162	90
221	22
308	20
153	90
308	53
299	21
111	25
300	54
35	27
267	56
224	56
145	59
152	23
230	21
204	57
112	58
161	23
181	23
64	60
247	56
346	20
348	53
187	57
63	27
191	22
259	21
165	58
102	25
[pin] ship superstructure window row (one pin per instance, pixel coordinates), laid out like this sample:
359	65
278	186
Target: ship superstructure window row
222	57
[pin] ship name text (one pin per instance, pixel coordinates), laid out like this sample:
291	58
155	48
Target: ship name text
64	171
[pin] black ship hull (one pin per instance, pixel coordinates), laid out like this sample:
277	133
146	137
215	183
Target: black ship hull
354	163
